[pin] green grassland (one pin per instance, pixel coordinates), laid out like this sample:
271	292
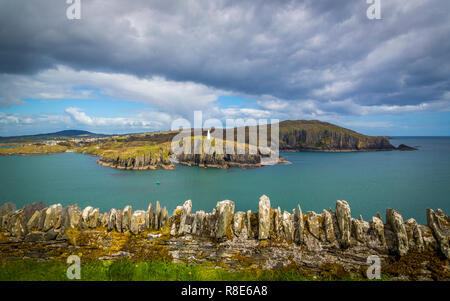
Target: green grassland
158	270
33	149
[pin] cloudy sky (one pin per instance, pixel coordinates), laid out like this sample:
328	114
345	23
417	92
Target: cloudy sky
133	66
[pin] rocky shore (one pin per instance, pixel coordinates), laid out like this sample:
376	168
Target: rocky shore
267	239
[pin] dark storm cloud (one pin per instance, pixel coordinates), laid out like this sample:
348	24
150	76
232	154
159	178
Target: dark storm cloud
292	50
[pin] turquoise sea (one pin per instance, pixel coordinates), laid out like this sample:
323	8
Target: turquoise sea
370	181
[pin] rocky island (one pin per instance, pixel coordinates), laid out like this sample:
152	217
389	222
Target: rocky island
269	239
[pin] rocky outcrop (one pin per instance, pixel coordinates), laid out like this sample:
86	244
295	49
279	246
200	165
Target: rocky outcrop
440	225
343	216
139	162
314	135
403	147
325	233
395	221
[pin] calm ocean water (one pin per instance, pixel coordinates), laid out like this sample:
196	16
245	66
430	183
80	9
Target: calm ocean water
407	181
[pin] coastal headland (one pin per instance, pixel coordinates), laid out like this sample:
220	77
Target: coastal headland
154	150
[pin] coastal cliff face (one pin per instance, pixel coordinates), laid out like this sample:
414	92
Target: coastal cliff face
315	135
140	162
268	238
220	160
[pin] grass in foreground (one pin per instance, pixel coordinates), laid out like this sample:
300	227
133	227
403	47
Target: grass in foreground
121	270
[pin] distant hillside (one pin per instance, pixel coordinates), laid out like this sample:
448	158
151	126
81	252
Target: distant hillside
52	136
300	135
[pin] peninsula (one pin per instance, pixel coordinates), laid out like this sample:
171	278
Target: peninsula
153	150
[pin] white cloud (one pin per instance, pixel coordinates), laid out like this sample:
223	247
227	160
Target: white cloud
54	84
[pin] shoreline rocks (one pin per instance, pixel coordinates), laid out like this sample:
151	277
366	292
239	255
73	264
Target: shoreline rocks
311	231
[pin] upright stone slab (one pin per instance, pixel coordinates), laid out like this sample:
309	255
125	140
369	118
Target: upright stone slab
343	216
185	212
287	221
377	228
238	223
440	225
300	227
119	216
328	226
264	218
395	220
94	218
53	215
150	215
137	222
224	212
157	225
126	218
85	216
112	219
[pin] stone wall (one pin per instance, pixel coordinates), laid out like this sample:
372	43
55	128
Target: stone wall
311	231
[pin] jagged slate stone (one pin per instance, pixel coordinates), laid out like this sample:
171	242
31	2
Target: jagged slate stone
157	216
300	225
210	224
328	226
16	224
197	224
185	212
126	218
250	228
173	230
264	217
395	220
429	241
440	225
287	221
105	220
313	223
52	217
343	216
377	227
33	222
7	208
42	219
414	234
137	222
74	216
94	218
238	223
35	236
112	219
150	215
277	224
224	212
359	230
5	211
165	218
30	209
85	216
119	215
